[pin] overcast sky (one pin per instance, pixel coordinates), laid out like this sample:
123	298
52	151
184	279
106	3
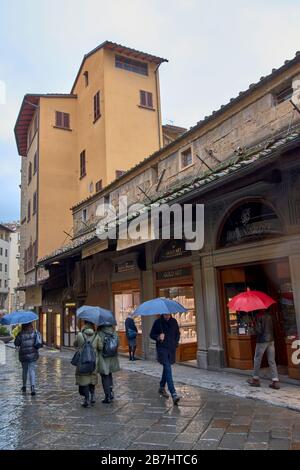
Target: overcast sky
215	49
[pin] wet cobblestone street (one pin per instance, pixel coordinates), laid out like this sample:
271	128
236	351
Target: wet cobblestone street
138	419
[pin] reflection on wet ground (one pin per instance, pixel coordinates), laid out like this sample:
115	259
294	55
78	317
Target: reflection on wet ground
138	419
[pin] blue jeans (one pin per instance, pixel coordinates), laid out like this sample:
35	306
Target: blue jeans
28	369
167	378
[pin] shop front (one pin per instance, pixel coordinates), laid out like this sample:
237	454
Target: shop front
176	282
51	318
71	326
126	292
250	222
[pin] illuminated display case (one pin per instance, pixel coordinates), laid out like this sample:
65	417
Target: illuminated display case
187	321
125	303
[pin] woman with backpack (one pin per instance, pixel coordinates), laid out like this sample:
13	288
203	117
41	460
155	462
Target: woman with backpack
131	334
87	379
28	341
108	362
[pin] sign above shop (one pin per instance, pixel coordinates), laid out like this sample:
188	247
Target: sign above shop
126	266
172	249
250	222
174	273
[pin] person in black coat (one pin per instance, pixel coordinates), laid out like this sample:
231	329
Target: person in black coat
165	331
28	354
131	334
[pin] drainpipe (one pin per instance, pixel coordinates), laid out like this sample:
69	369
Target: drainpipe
158	105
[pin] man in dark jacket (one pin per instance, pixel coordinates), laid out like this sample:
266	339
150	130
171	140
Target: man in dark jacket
264	342
165	331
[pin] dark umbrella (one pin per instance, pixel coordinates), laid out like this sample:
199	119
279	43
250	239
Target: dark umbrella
97	315
19	317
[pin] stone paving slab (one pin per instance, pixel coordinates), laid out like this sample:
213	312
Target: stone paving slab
138	418
228	383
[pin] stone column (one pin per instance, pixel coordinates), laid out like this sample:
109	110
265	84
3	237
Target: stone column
295	277
200	316
213	325
147	322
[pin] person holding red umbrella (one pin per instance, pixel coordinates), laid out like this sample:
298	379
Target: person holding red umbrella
264	342
255	300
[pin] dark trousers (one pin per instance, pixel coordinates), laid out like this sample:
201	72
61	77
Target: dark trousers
86	390
131	351
167	378
107	383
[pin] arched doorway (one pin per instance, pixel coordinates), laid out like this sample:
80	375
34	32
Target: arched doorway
248	224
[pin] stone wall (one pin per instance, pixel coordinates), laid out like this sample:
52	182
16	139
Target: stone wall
258	122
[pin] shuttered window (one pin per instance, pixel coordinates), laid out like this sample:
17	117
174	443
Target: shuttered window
29	172
97	106
28	211
62	120
82	164
132	65
146	99
35	163
98	186
34	205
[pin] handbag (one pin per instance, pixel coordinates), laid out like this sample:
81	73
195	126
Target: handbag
75	359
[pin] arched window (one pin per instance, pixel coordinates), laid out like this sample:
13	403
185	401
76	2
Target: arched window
250	221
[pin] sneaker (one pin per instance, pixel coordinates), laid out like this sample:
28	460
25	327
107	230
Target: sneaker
23	389
275	385
254	382
162	391
175	398
33	391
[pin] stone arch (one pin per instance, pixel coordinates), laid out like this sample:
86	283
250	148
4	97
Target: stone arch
249	219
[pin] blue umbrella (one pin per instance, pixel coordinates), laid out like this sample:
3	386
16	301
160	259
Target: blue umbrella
161	306
97	315
19	317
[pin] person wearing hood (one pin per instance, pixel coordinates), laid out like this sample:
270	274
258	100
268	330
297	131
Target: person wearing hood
165	332
87	382
107	365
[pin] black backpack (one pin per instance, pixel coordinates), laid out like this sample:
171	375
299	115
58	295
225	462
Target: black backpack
110	345
87	359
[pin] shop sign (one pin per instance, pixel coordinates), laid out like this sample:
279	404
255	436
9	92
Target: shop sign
249	222
256	229
173	249
173	274
125	267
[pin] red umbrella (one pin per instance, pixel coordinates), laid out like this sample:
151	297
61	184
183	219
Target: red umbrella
250	300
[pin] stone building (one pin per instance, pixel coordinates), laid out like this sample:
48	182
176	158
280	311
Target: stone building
242	163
